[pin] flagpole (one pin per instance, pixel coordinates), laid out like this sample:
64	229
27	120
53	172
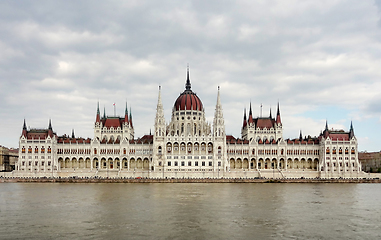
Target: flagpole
114	110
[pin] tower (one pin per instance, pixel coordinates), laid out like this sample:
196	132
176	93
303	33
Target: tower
159	133
219	136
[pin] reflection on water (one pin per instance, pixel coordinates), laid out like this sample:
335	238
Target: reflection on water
190	211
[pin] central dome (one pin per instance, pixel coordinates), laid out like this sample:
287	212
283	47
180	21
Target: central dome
188	100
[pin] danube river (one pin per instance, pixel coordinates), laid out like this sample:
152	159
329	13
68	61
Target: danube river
190	211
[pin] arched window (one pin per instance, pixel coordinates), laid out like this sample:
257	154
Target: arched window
340	151
42	150
124	151
23	150
334	151
36	150
195	129
219	150
346	150
49	150
182	128
95	151
159	149
327	150
353	151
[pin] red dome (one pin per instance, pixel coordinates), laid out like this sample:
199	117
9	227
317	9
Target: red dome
188	100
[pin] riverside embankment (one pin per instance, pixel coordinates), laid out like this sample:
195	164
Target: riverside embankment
184	180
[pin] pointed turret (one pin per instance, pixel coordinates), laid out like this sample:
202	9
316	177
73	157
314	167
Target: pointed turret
50	128
188	83
104	112
300	135
244	119
326	131
98	118
270	114
351	131
24	130
278	120
130	118
250	121
126	114
72	134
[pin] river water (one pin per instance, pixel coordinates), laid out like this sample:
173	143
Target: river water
189	211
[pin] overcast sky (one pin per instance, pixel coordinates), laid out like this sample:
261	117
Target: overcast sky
320	59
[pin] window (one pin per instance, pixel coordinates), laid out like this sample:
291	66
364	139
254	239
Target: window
219	164
95	151
124	151
210	164
353	151
327	150
23	150
196	163
125	164
176	163
340	151
42	150
42	163
182	163
169	163
36	150
334	151
49	150
159	149
189	163
203	163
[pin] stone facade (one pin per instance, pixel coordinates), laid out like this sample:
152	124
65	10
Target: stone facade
370	161
189	147
8	158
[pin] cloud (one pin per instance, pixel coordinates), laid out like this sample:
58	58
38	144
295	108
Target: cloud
60	58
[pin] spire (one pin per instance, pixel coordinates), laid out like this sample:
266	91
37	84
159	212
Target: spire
218	97
326	132
188	83
159	98
351	131
126	114
131	118
278	120
270	114
24	130
72	134
50	125
104	112
300	135
98	118
250	116
244	118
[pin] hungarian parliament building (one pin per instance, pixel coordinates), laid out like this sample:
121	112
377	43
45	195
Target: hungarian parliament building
188	147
